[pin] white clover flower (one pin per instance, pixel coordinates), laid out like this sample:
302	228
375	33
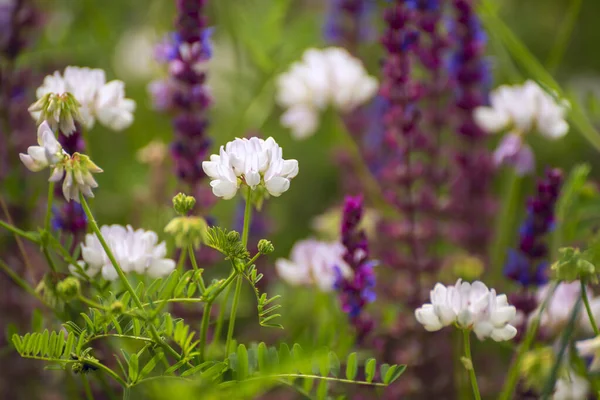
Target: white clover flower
135	251
47	154
254	162
328	77
521	109
76	169
469	306
590	348
98	99
572	387
314	263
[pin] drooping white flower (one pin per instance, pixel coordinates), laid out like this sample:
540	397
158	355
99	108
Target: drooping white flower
590	348
98	99
47	154
469	306
328	77
313	262
571	387
521	109
134	250
77	169
254	162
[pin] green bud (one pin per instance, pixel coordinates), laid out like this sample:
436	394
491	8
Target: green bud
183	204
233	236
573	265
116	308
59	110
265	247
68	288
536	367
239	265
187	231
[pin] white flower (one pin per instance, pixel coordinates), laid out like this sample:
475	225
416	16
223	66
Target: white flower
469	306
253	162
521	109
47	154
572	387
328	77
313	262
135	251
98	99
590	348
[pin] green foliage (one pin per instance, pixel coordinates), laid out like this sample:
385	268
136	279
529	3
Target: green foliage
265	307
230	245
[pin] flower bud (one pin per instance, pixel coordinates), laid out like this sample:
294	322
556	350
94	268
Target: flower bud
68	288
536	367
265	247
116	308
187	231
183	203
60	110
572	265
233	236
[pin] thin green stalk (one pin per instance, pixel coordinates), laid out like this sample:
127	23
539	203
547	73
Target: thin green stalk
504	224
195	266
564	35
19	281
512	376
28	266
222	309
18	232
586	302
204	329
238	285
124	280
49	259
86	387
181	260
49	208
472	376
91	303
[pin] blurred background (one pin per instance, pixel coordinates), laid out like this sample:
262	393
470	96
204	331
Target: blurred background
254	41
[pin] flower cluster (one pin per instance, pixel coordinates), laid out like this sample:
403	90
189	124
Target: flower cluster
521	109
255	162
77	169
184	92
314	263
134	250
356	290
97	98
527	264
469	306
323	78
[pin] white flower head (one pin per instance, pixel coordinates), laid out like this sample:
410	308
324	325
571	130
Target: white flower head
47	154
590	348
254	162
134	250
314	263
328	77
469	306
571	387
98	99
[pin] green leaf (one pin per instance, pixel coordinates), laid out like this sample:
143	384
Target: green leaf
370	366
351	367
263	357
285	356
334	364
69	345
242	367
196	369
133	367
393	373
322	390
150	365
383	370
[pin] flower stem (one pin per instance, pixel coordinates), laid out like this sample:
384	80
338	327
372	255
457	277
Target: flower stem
49	208
238	284
195	266
181	260
204	328
472	376
122	276
584	297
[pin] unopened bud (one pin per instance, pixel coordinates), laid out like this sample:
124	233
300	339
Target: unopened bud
68	288
265	247
183	203
233	236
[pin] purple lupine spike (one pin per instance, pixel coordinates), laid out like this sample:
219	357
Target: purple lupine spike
347	22
357	291
185	94
527	264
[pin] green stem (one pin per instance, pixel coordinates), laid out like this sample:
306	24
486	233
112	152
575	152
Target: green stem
19	232
19	281
49	259
512	377
586	302
49	208
196	269
472	376
91	303
236	299
564	35
86	387
238	285
181	260
204	329
222	309
128	287
504	224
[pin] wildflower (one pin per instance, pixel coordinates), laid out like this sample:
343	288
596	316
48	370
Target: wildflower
571	387
528	264
135	251
254	162
313	263
77	171
97	98
60	110
469	306
521	109
323	77
590	348
47	154
187	231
